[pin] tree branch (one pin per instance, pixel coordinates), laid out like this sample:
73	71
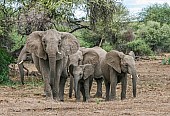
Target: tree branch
86	27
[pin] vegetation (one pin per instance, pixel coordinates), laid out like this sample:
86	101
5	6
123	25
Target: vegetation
105	23
5	61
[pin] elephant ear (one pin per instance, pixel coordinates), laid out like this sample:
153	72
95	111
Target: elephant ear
113	59
34	44
69	43
88	71
90	57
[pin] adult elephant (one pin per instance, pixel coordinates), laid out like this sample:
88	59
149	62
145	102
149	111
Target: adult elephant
115	67
98	75
50	50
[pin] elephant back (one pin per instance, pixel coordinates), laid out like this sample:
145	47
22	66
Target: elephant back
90	57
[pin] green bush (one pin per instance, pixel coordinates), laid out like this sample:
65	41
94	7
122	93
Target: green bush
164	61
139	47
17	39
106	46
5	60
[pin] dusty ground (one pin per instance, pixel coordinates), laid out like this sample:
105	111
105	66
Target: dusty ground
153	97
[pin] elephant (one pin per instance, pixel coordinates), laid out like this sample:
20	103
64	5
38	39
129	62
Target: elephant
74	59
98	75
50	50
90	57
83	75
115	67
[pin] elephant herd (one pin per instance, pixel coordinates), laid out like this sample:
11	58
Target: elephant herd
58	55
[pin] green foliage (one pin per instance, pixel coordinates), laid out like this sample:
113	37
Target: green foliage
87	38
168	61
5	60
156	12
17	39
139	47
164	61
155	35
107	46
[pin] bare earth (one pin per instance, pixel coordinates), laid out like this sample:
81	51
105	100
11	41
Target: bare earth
153	97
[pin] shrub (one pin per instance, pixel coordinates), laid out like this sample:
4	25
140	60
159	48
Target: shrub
168	61
106	46
139	47
164	61
5	60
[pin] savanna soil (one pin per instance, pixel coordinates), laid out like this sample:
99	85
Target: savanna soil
153	97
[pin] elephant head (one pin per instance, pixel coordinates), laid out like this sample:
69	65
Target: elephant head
81	72
52	45
123	63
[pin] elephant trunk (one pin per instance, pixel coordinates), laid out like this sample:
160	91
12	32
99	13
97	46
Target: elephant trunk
134	79
52	65
21	70
76	81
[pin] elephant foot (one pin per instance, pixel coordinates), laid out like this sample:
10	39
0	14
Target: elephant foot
107	99
77	100
56	99
98	95
70	96
49	98
123	98
112	99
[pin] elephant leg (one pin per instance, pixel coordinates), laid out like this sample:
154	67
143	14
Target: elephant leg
99	87
63	79
107	84
124	86
71	86
82	89
86	89
113	82
90	83
45	73
78	92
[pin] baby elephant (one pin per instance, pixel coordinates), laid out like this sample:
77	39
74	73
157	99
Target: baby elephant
83	76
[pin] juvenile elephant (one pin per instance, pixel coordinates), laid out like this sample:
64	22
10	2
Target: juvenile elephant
74	59
98	75
89	57
115	67
83	75
50	50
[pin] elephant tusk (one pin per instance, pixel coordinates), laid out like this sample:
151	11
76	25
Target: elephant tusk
132	76
59	53
21	62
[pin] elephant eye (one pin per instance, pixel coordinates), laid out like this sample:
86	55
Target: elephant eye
59	42
126	64
81	74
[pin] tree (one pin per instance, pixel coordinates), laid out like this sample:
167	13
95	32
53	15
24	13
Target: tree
155	35
157	12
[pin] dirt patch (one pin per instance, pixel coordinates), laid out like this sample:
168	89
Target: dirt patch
153	97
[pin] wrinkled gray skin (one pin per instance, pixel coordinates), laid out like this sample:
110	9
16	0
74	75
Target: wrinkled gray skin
22	57
93	56
50	50
83	75
98	76
115	67
74	59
